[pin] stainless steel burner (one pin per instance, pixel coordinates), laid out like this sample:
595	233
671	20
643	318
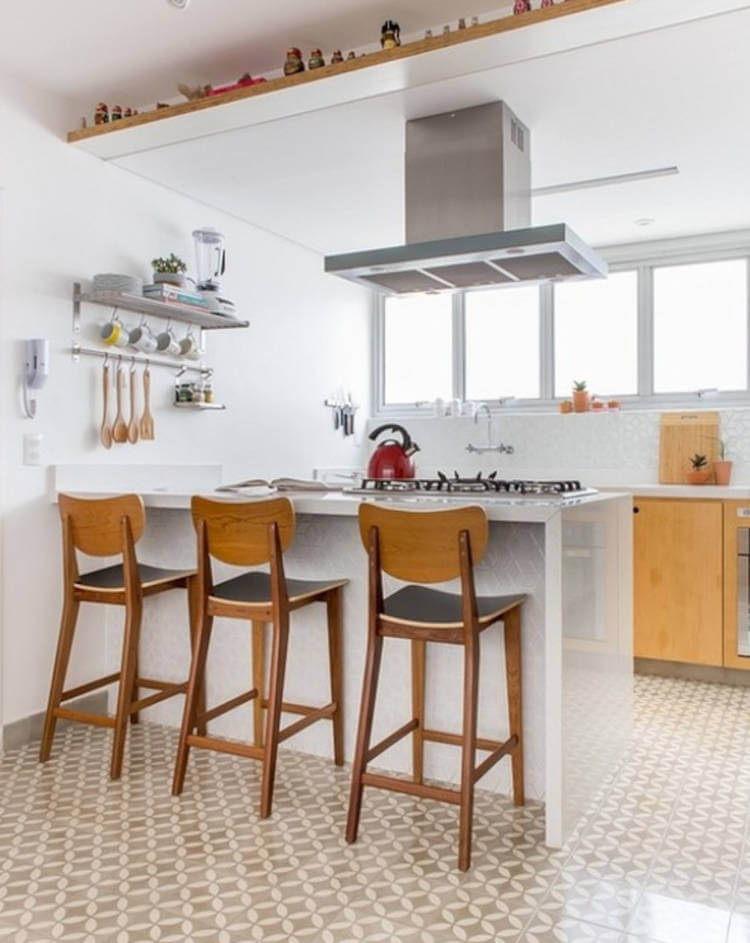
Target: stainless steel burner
480	485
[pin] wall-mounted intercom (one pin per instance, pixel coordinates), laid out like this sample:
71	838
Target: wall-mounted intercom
35	371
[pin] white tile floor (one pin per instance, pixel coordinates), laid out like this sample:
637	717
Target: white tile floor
662	856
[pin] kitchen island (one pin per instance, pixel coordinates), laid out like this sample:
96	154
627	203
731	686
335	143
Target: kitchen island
572	558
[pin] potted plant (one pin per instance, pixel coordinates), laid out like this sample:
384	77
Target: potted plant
566	406
581	399
613	405
723	468
700	472
597	405
170	270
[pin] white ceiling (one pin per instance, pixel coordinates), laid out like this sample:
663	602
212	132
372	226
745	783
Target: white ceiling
333	179
136	51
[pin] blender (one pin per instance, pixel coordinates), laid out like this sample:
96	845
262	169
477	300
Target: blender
211	263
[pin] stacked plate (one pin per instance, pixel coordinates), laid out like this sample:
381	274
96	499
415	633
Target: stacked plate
125	284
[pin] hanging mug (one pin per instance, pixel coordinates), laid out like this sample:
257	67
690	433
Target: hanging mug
114	334
142	339
166	343
189	347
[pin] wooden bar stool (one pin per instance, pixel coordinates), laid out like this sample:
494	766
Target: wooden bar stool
249	534
431	547
107	527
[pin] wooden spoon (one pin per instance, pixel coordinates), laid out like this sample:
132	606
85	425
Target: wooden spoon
120	428
133	424
105	433
147	420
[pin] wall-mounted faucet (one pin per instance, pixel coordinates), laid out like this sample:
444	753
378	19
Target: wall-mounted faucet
481	449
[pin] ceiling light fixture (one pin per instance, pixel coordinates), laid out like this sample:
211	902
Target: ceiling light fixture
634	177
180	4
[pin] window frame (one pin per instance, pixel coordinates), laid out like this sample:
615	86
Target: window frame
643	259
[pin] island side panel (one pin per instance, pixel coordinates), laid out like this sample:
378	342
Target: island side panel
328	546
597	651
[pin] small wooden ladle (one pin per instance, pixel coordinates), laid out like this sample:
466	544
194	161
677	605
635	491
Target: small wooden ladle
147	420
133	424
120	427
105	433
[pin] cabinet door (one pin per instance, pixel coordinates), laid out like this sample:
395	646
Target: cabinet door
678	580
737	584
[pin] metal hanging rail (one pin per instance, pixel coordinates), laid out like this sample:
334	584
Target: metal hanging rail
182	366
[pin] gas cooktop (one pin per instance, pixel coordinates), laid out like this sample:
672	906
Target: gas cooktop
479	486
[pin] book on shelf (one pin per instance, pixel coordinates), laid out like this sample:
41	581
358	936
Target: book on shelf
172	293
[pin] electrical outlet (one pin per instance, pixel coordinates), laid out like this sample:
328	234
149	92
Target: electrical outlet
32	448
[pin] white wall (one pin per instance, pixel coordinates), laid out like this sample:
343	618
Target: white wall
67	216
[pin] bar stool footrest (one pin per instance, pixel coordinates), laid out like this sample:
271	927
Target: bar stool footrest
389	741
229	705
89	686
83	717
312	715
502	750
167	690
422	790
225	746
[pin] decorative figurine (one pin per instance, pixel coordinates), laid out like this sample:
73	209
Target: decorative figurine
522	6
316	60
116	113
194	92
101	115
446	29
475	21
160	105
128	113
547	3
293	62
336	57
390	34
352	55
428	34
462	22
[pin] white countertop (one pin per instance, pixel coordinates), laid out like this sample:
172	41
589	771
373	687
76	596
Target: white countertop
704	492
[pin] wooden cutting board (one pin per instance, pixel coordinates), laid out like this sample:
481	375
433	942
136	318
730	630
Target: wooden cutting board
681	436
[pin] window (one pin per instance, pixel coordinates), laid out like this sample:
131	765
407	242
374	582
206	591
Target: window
502	344
700	326
417	344
596	335
658	331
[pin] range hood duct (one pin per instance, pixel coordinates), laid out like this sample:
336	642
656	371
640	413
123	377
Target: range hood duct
468	213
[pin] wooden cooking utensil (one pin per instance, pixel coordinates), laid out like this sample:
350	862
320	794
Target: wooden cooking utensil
105	433
120	428
147	420
133	424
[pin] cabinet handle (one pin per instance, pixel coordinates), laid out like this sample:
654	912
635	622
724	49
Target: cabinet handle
636	509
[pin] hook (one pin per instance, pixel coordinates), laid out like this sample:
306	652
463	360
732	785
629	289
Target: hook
106	358
132	364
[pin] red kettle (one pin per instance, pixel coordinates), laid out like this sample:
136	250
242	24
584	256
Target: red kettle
392	459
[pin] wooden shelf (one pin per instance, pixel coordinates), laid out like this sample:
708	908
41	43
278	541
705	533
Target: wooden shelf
200	406
188	314
129	135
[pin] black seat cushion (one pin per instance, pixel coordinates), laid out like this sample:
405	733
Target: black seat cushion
112	577
422	604
256	588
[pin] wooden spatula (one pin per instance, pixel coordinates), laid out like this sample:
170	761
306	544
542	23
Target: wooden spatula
147	420
105	433
133	424
120	427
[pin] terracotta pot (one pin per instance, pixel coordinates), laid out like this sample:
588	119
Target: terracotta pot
723	472
566	407
581	401
597	406
699	476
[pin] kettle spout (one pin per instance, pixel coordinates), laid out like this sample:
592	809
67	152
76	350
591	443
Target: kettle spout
413	447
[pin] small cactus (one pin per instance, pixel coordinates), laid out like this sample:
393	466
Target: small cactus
579	386
698	461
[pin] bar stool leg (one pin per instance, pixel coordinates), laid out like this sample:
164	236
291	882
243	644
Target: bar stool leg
62	659
193	698
512	629
418	652
468	752
366	714
333	605
259	664
135	716
195	615
133	613
273	721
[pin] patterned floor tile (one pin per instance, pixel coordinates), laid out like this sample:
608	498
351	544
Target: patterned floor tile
662	855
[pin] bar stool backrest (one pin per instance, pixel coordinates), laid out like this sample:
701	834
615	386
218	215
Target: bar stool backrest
95	525
423	546
237	532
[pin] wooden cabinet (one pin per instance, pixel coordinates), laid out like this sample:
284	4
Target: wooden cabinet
679	580
737	584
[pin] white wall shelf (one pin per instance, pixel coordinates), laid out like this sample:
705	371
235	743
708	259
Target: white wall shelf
189	314
218	406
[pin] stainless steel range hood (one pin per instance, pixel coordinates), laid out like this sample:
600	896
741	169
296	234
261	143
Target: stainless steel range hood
468	213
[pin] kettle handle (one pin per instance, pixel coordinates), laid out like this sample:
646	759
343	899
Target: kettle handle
408	446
